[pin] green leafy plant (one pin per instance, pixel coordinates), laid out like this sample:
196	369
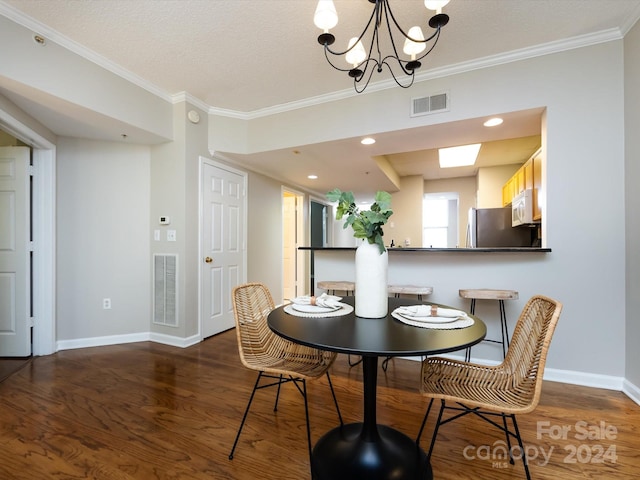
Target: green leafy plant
368	223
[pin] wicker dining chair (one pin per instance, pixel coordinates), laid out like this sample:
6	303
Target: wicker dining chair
275	358
511	388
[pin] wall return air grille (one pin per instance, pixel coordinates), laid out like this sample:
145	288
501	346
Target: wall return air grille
165	289
433	104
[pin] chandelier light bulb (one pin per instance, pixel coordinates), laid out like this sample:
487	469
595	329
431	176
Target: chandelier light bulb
326	16
356	55
436	5
414	48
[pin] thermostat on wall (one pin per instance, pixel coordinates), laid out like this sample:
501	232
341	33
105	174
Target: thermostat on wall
165	220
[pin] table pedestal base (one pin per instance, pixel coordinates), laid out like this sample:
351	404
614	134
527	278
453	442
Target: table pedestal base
343	453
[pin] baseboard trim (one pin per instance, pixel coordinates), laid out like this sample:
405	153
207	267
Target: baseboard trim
175	341
583	379
102	341
130	338
631	391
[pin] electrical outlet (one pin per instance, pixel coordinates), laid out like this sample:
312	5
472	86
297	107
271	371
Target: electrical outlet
106	303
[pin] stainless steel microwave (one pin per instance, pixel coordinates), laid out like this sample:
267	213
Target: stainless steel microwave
522	208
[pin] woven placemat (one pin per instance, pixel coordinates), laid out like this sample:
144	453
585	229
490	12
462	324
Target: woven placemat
344	310
463	322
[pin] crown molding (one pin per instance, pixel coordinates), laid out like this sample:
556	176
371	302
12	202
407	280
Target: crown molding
463	67
84	52
485	62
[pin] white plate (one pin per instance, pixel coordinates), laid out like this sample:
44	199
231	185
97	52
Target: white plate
314	308
429	319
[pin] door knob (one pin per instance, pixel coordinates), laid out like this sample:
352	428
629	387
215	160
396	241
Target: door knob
208	260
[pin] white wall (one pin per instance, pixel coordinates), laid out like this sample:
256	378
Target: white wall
632	219
102	239
585	165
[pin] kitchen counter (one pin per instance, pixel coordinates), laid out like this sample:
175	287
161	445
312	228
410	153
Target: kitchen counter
439	250
447	271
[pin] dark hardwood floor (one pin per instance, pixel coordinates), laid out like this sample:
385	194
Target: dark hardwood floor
149	411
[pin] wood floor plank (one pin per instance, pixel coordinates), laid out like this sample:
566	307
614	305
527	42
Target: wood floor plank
150	411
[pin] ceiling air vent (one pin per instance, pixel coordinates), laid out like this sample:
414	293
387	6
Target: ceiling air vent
432	104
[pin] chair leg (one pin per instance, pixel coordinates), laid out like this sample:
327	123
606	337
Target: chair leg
306	415
506	432
435	429
244	417
505	329
275	406
472	310
385	363
335	400
521	445
353	364
424	421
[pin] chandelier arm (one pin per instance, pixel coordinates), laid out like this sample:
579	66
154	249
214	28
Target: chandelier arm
428	50
401	64
367	65
406	35
388	12
373	14
411	74
326	54
356	81
408	73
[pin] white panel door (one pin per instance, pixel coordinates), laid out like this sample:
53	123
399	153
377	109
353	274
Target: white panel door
15	311
222	246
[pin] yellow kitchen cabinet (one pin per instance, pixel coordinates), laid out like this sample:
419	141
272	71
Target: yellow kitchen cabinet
537	185
529	175
507	193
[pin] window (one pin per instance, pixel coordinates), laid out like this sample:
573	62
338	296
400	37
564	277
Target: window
440	220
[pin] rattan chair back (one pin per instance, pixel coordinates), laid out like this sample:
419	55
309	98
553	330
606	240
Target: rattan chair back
527	355
261	349
513	386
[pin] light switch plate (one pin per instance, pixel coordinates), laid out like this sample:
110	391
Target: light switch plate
171	235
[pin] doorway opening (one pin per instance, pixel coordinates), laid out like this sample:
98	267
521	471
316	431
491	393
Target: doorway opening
440	220
43	204
293	265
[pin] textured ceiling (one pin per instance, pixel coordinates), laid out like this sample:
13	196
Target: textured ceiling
248	56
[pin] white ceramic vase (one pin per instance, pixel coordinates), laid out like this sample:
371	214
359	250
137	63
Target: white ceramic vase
371	281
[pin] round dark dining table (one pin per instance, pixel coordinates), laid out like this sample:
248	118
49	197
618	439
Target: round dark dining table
367	450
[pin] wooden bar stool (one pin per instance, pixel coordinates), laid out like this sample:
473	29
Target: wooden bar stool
349	288
340	285
396	291
491	294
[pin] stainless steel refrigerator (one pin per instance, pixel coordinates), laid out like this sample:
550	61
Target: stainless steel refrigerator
491	227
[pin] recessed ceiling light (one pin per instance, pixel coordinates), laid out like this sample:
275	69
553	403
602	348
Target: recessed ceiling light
368	141
312	177
462	156
493	122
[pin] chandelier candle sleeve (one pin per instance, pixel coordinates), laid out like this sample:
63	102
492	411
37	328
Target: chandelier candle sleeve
383	29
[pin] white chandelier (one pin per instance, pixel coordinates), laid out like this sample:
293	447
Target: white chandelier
363	64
